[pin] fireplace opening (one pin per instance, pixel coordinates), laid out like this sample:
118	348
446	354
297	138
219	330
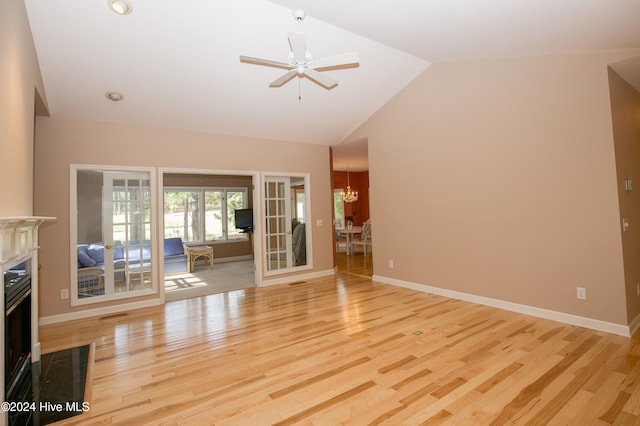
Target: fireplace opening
17	296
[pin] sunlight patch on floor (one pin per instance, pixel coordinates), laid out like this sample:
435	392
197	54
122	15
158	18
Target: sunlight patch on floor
182	281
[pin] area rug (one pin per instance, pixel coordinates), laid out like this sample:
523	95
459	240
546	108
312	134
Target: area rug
58	388
225	276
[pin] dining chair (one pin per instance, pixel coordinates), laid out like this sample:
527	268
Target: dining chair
365	237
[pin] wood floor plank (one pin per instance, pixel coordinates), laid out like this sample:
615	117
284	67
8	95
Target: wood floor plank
348	350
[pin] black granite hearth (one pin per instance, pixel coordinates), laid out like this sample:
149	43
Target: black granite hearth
54	389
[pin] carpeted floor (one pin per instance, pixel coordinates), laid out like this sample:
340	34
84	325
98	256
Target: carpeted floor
225	276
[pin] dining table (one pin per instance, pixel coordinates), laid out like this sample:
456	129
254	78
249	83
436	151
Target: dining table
349	232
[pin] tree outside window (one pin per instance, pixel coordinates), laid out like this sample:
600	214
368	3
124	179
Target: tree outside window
202	214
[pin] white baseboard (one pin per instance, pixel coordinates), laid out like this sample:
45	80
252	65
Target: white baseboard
590	323
634	325
295	278
107	310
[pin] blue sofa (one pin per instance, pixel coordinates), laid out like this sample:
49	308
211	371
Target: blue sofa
91	263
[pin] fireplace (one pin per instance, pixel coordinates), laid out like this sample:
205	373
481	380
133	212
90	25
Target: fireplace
17	322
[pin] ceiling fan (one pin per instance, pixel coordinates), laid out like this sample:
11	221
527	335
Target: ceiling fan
302	64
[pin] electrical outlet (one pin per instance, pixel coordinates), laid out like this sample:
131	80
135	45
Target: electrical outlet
581	293
391	264
64	293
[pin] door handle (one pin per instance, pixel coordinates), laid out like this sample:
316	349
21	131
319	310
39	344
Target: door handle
108	246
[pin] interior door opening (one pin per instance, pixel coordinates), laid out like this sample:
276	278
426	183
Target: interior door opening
199	222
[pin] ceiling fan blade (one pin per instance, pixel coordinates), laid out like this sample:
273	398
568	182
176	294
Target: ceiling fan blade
298	46
265	62
346	60
283	78
319	78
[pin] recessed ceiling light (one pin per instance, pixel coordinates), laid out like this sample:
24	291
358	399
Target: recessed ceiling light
114	96
121	7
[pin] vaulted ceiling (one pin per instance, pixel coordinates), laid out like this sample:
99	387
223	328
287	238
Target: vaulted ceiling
177	63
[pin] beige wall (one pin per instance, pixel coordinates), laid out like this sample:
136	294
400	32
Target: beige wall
625	111
19	80
62	142
505	171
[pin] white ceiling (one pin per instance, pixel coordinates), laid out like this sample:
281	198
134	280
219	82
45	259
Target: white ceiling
177	63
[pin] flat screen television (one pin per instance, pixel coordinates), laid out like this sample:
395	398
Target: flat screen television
244	219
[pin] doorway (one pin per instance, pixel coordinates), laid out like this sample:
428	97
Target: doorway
199	209
350	168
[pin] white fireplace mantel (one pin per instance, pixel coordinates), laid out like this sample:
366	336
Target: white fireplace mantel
18	244
18	239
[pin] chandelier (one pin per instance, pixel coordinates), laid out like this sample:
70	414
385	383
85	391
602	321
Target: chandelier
349	196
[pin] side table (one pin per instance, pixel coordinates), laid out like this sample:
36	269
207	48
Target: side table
196	252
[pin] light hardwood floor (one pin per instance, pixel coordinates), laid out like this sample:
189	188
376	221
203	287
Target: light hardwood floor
356	263
346	350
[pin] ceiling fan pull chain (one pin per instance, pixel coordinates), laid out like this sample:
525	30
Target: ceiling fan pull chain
299	90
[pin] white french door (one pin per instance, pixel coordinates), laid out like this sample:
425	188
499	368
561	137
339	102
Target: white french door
277	210
112	233
126	212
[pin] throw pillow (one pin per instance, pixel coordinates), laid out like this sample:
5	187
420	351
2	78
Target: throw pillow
84	260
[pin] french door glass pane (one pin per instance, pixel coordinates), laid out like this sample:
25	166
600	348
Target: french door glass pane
276	219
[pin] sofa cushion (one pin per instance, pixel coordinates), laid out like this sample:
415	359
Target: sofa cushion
173	246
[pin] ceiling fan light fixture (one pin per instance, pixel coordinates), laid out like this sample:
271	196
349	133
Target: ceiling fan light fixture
121	7
114	96
299	15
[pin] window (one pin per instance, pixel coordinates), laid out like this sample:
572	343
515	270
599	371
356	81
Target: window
338	208
199	215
